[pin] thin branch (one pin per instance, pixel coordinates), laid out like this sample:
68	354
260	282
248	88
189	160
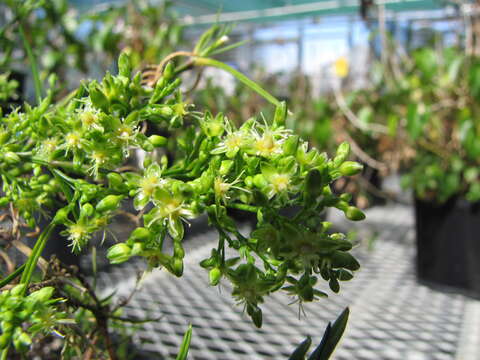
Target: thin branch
354	120
367	159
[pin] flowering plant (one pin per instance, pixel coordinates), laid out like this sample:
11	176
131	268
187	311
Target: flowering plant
67	160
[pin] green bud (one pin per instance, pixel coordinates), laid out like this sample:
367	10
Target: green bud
157	140
147	146
350	168
259	181
4	201
5	339
37	170
140	233
169	71
334	285
177	267
225	167
326	225
124	65
256	314
119	253
109	203
354	214
8	316
290	145
115	180
214	276
342	259
343	151
11	158
306	293
98	98
137	248
280	114
42	295
344	275
87	210
24	338
147	161
4	136
43	179
62	215
249	181
18	290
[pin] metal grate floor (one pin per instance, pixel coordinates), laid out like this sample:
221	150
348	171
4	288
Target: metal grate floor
392	316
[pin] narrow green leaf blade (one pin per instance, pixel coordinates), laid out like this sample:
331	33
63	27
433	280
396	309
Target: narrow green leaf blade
183	353
301	350
331	337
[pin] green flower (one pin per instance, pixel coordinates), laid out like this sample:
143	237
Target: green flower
233	142
79	233
278	181
222	188
151	180
268	142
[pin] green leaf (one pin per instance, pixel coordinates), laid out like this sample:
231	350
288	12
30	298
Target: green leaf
183	353
331	337
12	276
202	61
301	350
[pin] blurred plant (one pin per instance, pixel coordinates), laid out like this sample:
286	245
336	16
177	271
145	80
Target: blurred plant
49	26
147	30
8	89
441	91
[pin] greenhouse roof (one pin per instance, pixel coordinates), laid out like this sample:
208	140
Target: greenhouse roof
209	11
200	12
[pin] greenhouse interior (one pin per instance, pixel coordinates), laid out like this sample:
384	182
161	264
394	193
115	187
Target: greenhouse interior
212	179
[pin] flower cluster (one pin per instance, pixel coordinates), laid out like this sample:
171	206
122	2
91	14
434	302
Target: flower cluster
23	317
72	155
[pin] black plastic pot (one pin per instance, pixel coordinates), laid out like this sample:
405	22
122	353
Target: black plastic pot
448	244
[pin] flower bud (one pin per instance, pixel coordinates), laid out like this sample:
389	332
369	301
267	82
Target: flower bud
140	233
62	215
350	168
109	203
4	201
18	290
354	214
11	158
214	276
280	114
87	210
343	151
124	65
259	181
157	140
119	253
225	167
290	145
115	180
42	295
177	267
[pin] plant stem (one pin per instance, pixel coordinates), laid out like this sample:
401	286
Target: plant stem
202	61
243	207
33	64
12	276
36	252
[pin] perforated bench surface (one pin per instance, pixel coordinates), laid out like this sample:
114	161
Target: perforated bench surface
392	316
